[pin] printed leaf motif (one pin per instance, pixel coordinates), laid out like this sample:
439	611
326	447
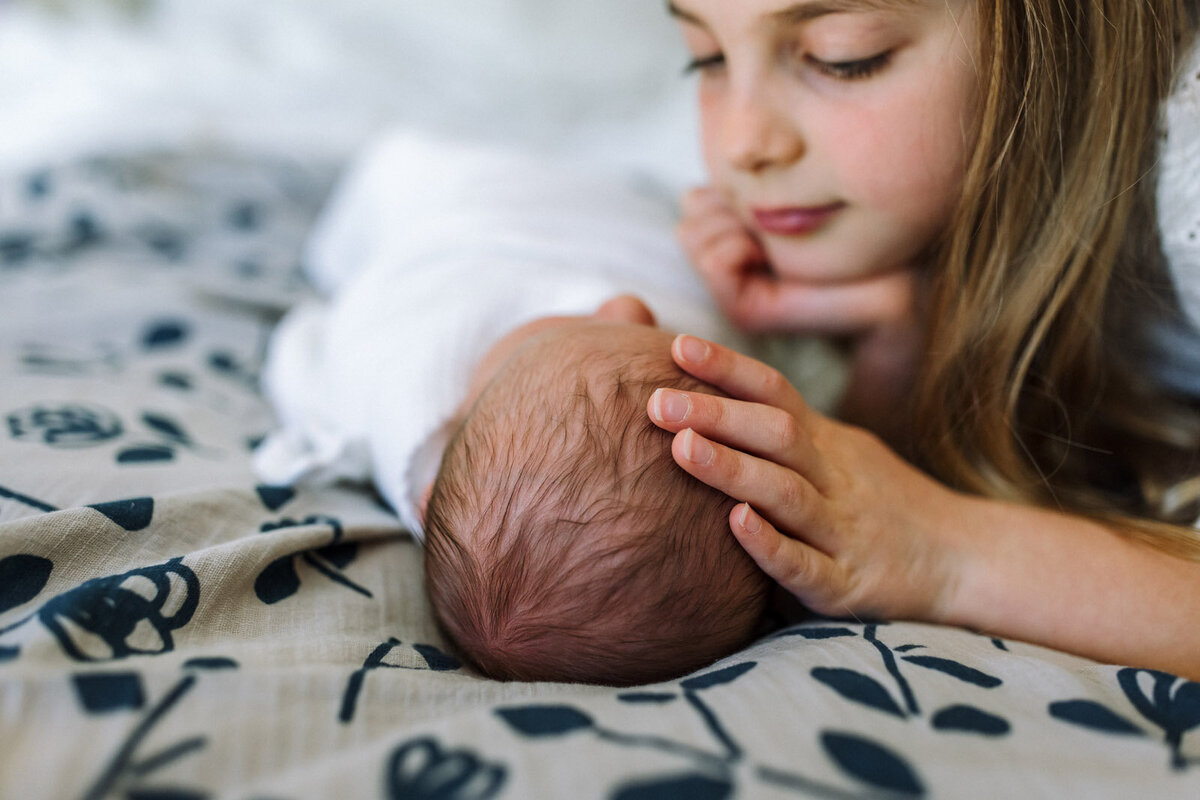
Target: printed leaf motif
422	770
222	362
871	763
1175	712
132	515
130	765
66	426
955	670
165	794
39	184
718	677
278	581
102	692
176	380
435	659
22	578
164	333
164	241
1186	708
686	787
820	633
245	216
275	497
967	719
213	663
1090	714
647	697
858	687
24	499
538	721
340	554
16	247
145	454
116	616
1155	710
166	427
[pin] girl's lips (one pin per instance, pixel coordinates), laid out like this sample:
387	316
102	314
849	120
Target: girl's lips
794	221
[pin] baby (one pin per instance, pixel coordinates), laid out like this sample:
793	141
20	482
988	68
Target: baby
562	543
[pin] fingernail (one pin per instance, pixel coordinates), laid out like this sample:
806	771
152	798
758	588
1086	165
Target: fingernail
693	349
749	520
696	449
671	406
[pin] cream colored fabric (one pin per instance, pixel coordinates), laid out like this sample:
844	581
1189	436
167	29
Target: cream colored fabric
170	628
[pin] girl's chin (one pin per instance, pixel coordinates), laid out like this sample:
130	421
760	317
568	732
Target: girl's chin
822	264
814	270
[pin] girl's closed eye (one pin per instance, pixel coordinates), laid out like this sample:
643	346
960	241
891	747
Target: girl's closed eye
856	69
707	63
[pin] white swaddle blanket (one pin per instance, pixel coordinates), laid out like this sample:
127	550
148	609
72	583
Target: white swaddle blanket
429	252
1179	187
1179	225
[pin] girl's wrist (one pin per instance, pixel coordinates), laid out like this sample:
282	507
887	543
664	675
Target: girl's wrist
964	560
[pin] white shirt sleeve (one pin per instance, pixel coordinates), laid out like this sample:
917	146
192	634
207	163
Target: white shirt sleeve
1179	187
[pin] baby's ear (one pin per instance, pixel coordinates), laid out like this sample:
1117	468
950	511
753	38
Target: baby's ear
423	503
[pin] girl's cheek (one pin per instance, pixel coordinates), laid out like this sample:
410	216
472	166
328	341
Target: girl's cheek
710	136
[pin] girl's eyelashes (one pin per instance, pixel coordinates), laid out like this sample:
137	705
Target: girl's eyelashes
704	63
839	70
851	70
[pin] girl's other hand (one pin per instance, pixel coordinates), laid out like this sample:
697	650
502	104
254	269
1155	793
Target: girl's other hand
880	316
827	510
734	266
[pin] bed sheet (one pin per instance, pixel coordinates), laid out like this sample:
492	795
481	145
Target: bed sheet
169	628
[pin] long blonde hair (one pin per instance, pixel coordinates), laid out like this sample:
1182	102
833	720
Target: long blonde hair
1031	388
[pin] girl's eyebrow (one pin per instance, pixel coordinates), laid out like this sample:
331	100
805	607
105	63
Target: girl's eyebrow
804	11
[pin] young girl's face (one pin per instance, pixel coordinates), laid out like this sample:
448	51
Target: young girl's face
838	129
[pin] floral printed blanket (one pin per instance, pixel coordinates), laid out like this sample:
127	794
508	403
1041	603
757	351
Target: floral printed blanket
169	628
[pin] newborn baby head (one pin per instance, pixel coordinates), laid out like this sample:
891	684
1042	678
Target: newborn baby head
562	541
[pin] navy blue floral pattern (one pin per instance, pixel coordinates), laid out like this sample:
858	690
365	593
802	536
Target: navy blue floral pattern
170	628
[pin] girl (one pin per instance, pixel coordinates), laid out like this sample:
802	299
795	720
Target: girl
960	190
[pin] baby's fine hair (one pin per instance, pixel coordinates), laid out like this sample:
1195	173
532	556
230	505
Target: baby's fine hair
564	544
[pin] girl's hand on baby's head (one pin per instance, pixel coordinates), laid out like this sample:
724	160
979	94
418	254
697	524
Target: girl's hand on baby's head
734	266
827	510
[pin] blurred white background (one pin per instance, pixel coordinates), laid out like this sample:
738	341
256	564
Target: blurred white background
316	78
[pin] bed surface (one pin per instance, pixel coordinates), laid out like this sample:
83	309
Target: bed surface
171	628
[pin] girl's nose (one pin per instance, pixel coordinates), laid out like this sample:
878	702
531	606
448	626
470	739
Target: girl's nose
758	134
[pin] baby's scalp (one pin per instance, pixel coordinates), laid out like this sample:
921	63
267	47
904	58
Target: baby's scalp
562	541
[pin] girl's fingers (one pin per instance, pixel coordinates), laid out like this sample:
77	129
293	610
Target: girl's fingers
702	220
728	259
766	303
720	249
778	492
704	200
802	570
760	430
738	376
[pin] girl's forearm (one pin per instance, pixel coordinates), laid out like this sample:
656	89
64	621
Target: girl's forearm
1072	584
